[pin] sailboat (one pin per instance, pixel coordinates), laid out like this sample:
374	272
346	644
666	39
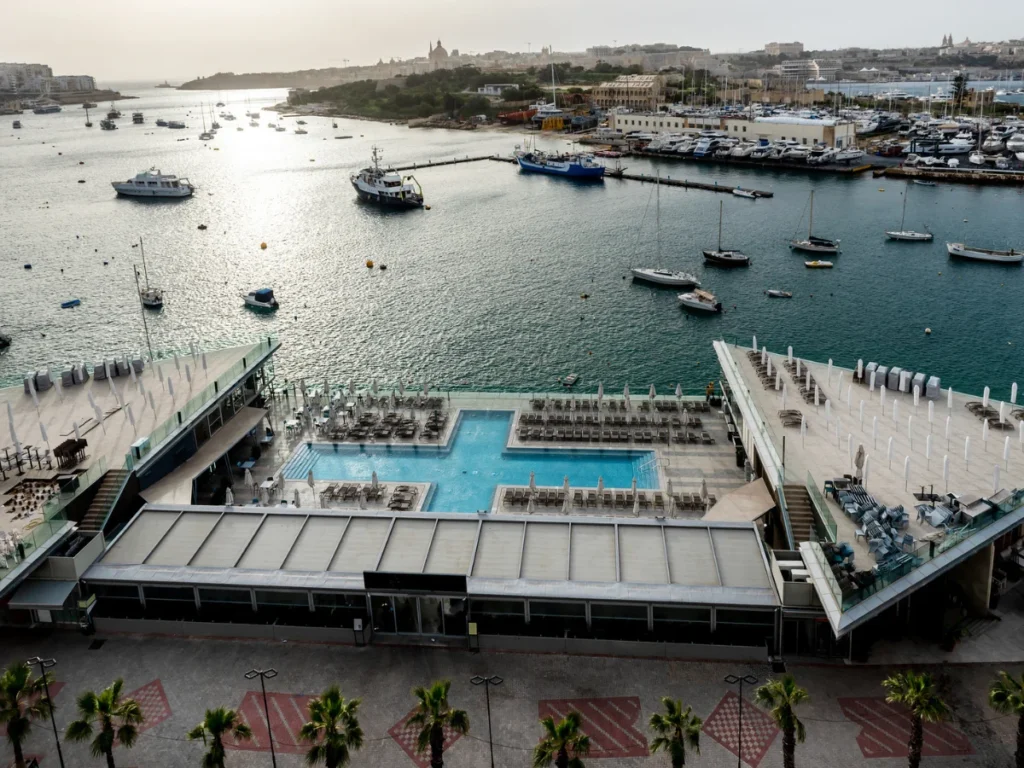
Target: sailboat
908	234
152	298
814	244
88	122
657	275
205	135
726	258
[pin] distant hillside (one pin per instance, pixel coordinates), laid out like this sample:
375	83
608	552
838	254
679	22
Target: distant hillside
227	81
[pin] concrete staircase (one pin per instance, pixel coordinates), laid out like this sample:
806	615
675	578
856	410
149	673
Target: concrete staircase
96	515
801	513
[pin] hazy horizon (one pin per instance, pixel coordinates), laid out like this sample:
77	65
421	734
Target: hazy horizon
126	41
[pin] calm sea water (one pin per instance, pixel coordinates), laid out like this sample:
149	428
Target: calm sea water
484	289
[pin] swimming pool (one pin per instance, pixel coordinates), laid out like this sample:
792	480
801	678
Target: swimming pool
465	476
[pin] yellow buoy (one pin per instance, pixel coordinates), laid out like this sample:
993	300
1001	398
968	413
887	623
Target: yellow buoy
427	207
263	246
881	189
369	263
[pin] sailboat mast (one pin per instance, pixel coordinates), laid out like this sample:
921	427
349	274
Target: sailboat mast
142	307
720	204
657	214
554	95
810	223
903	218
144	270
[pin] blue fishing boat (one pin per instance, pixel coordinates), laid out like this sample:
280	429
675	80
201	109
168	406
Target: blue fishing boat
573	166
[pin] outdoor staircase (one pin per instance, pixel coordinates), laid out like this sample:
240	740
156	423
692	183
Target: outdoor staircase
801	513
110	487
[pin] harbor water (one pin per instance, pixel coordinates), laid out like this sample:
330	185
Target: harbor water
486	289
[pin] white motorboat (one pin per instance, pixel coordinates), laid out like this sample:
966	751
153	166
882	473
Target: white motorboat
1019	156
818	264
849	154
814	244
993	143
775	293
956	147
797	153
728	257
700	301
386	186
1015	143
976	158
206	136
261	300
744	193
743	149
153	183
665	277
570	380
908	235
970	252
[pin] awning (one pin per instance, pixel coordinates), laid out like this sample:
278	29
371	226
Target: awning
40	594
744	505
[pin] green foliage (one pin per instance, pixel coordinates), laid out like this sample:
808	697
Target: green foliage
333	729
563	743
108	716
677	729
216	724
1006	696
917	693
781	697
21	702
434	714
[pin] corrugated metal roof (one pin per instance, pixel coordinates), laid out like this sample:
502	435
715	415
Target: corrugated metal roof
542	557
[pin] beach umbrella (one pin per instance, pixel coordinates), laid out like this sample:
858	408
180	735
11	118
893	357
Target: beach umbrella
768	362
131	416
296	499
945	472
311	482
807	379
636	505
78	433
784	396
632	486
600	485
401	388
906	473
984	398
59	387
858	459
669	490
754	343
1013	393
764	355
895	411
362	498
817	395
917	395
1006	451
864	472
928	451
931	414
984	433
910	430
888	453
828	413
881	397
42	433
949	398
651	393
1002	407
188	375
704	488
948	430
566	503
872	387
625	393
426	388
131	373
249	482
352	386
967	453
874	433
202	358
860	369
373	385
839	383
862	414
152	403
803	429
32	391
798	368
829	376
229	497
531	505
995	479
565	485
177	365
789	354
839	429
374	482
849	397
533	482
99	417
778	380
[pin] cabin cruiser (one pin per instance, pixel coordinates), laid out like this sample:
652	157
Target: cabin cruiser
797	153
848	154
108	125
700	301
138	118
977	158
1015	143
386	186
821	155
176	124
16	124
956	147
994	143
665	277
261	300
161	122
969	252
743	149
153	183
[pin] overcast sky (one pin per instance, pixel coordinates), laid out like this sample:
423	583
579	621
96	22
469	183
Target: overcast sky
135	40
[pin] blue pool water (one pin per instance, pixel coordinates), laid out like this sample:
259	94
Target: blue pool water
465	476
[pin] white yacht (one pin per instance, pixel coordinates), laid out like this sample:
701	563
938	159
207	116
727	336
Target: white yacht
700	301
993	143
386	186
969	252
1015	143
153	183
848	154
665	277
976	158
743	149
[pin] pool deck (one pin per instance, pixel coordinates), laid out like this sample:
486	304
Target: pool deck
685	465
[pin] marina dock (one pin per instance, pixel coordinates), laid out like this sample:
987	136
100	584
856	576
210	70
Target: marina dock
774	165
436	163
955	176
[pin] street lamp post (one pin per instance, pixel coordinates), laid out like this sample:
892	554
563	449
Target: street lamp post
487	682
45	664
265	674
732	680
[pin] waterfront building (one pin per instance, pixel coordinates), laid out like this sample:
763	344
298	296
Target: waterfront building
495	89
828	131
24	77
784	49
642	92
808	69
692	525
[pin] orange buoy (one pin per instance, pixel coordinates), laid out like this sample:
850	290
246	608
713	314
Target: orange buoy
369	263
263	246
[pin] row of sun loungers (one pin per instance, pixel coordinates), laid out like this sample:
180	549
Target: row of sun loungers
560	435
539	404
403	499
351	491
791	417
556	419
685	502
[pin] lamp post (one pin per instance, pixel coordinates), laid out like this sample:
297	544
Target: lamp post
265	674
45	664
732	680
487	682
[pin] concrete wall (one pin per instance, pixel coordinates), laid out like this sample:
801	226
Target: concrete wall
974	575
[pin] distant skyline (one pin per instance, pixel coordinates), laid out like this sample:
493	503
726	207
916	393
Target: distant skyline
128	40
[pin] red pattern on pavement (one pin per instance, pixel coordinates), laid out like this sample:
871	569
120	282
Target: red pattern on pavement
885	730
153	702
405	736
288	713
610	722
759	731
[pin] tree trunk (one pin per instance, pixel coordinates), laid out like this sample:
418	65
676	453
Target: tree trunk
680	762
19	757
916	741
562	758
436	747
110	758
789	748
1020	742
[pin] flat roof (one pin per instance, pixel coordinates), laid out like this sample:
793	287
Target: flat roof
550	557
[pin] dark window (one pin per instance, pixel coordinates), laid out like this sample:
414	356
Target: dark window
383	613
550	619
619	621
181	594
737	627
498	617
679	624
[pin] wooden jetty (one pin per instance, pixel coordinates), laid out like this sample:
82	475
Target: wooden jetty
772	165
435	163
957	175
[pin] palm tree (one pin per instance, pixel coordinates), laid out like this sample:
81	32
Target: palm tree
433	715
333	728
917	693
1007	697
563	743
218	723
677	729
116	720
781	697
21	702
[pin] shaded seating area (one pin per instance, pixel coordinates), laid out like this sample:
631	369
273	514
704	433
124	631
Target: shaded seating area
352	492
70	452
403	499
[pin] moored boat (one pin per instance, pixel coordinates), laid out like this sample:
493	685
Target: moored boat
739	192
818	264
387	187
572	166
153	183
570	380
775	293
908	235
262	300
700	301
728	257
973	253
814	244
665	277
